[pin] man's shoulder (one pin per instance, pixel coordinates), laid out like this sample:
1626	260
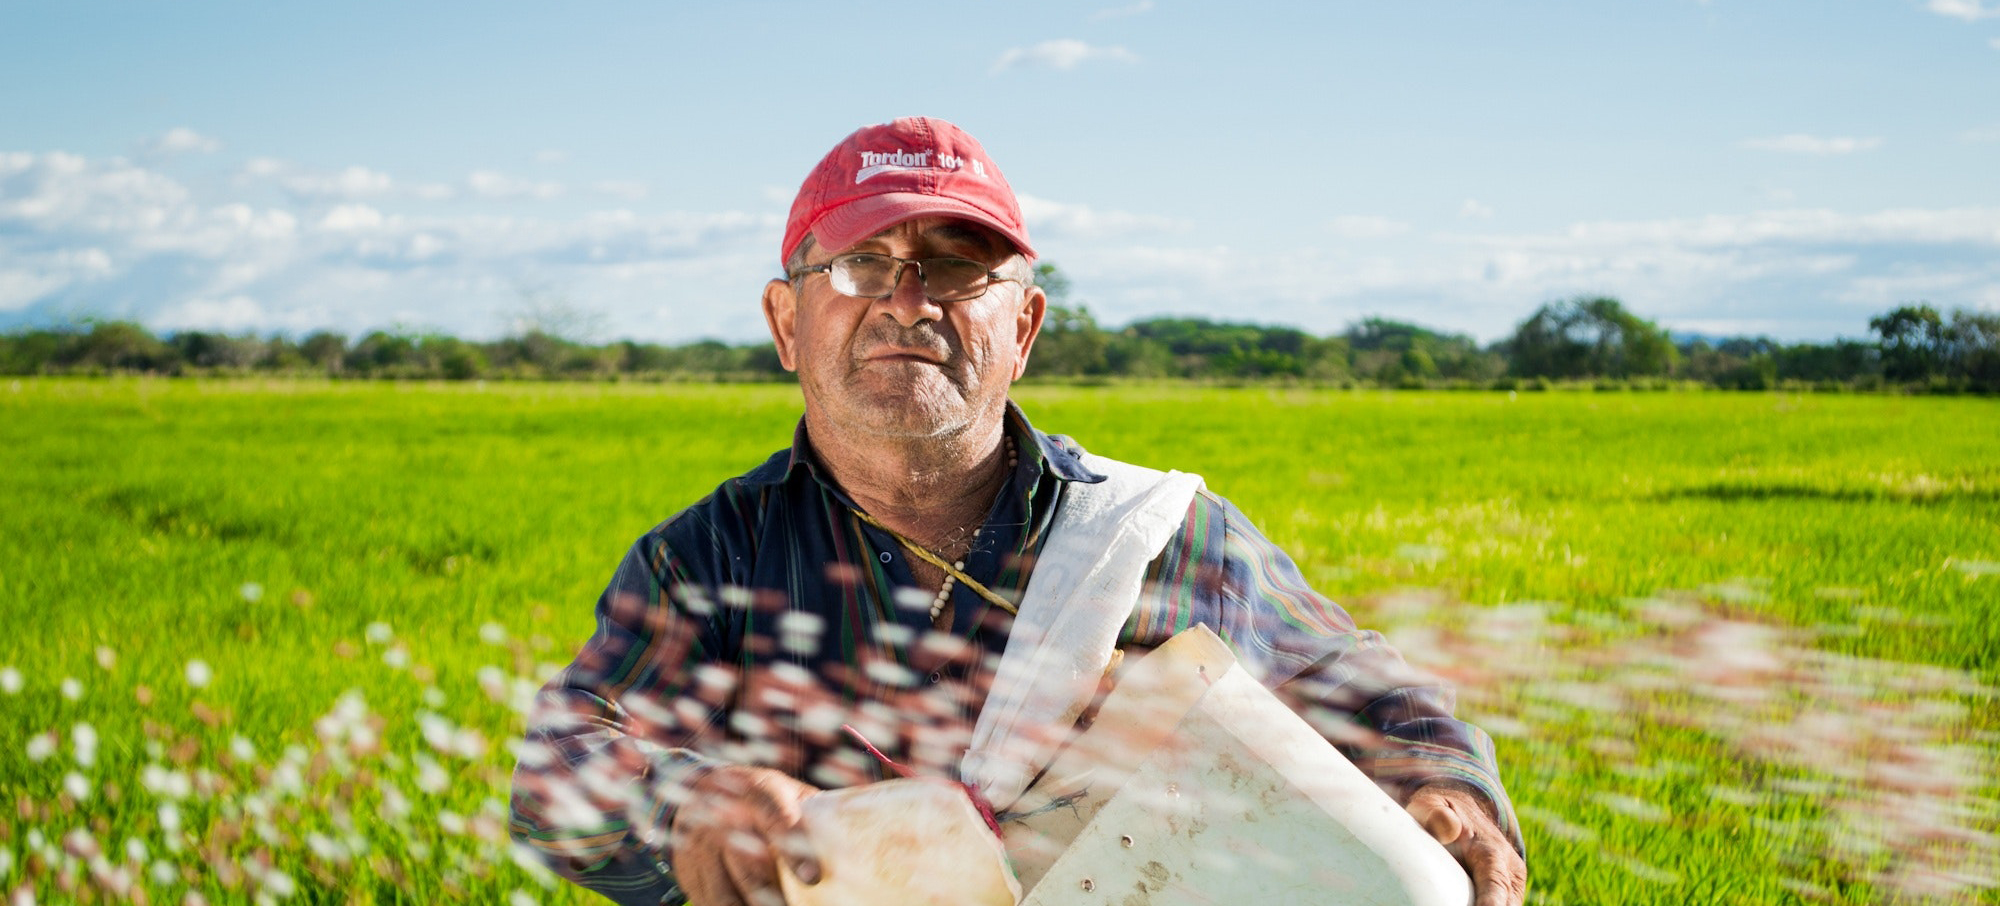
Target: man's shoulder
734	506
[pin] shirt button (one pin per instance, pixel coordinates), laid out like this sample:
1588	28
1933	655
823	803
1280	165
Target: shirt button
936	677
885	556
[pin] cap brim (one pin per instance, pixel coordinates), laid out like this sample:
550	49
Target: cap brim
852	222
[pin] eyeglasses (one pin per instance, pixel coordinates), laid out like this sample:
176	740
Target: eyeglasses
872	276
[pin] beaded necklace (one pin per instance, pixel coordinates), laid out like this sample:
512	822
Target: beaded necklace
954	572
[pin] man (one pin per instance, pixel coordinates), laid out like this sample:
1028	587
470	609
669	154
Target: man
867	575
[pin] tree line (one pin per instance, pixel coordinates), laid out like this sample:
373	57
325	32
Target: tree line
1581	340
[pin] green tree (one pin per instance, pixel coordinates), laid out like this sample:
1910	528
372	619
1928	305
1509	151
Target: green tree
1589	337
1913	342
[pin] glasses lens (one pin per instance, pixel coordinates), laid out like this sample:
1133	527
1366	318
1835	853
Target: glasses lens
953	279
874	276
868	276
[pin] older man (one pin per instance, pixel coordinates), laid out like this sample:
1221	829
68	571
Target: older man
868	574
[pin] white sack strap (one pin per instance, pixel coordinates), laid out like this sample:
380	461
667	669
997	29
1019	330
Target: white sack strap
1082	590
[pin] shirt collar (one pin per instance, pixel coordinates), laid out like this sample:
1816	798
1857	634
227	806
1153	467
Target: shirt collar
1062	455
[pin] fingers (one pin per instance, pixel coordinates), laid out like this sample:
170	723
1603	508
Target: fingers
1452	817
1499	877
727	838
1437	817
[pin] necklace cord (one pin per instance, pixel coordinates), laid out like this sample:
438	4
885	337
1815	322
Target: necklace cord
924	554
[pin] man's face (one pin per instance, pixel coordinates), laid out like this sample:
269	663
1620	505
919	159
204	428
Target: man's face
904	365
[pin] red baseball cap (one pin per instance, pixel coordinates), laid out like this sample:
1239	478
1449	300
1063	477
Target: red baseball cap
885	174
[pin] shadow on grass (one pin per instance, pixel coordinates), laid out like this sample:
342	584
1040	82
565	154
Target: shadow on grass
1758	493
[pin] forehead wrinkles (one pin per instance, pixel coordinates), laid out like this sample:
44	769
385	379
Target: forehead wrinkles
960	237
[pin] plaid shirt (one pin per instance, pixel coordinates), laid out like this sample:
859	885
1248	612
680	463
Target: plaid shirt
751	626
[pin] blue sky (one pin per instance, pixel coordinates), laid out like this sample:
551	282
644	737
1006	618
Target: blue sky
1781	168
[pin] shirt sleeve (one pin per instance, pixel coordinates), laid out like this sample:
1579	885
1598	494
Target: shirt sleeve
604	761
1393	722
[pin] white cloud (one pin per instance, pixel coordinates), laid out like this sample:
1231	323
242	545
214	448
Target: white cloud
1964	10
234	314
1062	54
624	190
351	218
1355	226
111	238
182	140
349	182
1812	144
1967	226
131	242
1473	210
493	184
1055	219
1118	12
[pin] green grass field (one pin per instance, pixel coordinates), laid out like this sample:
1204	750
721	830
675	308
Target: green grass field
270	639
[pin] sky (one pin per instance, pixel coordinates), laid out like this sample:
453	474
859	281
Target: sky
1781	168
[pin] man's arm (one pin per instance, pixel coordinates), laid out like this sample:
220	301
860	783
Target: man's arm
608	750
1394	722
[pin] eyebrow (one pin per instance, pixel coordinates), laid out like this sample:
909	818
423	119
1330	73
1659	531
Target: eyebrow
961	232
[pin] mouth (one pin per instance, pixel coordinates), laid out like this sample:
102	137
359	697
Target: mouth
897	356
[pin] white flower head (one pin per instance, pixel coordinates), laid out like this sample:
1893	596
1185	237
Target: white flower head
106	658
83	739
77	786
10	680
41	746
71	689
379	633
251	592
199	674
493	633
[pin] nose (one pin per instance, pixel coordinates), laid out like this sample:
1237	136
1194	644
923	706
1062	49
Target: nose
907	302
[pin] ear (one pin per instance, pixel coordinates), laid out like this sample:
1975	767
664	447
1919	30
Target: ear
781	307
1028	325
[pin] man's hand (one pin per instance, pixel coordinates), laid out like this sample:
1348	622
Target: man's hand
1459	820
727	837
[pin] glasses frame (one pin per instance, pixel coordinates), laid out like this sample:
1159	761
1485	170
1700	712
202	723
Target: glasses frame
896	276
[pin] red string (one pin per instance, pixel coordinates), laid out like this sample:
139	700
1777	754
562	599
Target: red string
979	802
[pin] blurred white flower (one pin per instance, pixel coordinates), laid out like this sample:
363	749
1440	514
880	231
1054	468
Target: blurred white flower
23	896
434	697
394	803
71	689
279	884
250	591
326	848
397	657
529	861
83	740
135	849
242	749
492	633
520	898
77	786
451	822
41	746
164	783
106	658
10	680
379	633
6	863
431	776
163	872
199	674
287	779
